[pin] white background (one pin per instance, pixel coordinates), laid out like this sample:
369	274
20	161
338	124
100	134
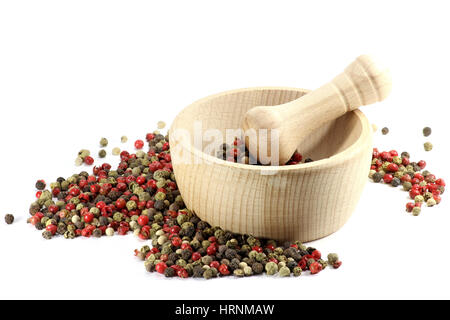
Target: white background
74	71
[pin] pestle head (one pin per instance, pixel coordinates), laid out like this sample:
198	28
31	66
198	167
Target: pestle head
280	129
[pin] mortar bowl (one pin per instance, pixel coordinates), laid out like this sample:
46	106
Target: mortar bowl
301	202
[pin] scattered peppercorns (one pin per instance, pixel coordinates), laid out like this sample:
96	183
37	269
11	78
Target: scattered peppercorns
423	186
9	218
141	196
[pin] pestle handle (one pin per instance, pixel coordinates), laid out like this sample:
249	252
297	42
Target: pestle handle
363	82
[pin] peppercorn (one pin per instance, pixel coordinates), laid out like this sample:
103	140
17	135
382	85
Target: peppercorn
161	124
102	153
377	176
40	185
103	142
115	151
431	202
297	271
385	131
284	272
428	146
426	131
9	218
395	182
416	211
407	186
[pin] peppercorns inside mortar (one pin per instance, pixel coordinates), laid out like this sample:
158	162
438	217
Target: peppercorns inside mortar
141	196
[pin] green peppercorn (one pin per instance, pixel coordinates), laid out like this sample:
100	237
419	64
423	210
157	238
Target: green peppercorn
284	272
297	271
416	211
102	153
431	202
103	142
9	218
407	185
428	146
271	268
116	151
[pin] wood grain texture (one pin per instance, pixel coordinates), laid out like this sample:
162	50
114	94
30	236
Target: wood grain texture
363	82
300	202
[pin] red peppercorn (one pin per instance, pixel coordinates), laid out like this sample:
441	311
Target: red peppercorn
437	198
422	164
176	241
271	247
418	176
413	193
223	269
406	178
139	144
120	203
337	264
89	160
410	206
38	194
160	267
387	178
392	167
316	254
302	263
53	209
214	264
440	182
405	161
393	153
100	205
149	136
196	256
52	228
186	246
141	180
273	260
174	229
297	157
182	273
88	217
34	220
143	220
211	250
315	267
257	249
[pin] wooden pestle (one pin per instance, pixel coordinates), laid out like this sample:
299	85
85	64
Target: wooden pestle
362	82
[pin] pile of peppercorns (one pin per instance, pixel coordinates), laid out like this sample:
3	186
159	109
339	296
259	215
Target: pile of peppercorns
395	170
238	152
141	196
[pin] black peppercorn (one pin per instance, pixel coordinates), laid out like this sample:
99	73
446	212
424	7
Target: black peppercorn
9	218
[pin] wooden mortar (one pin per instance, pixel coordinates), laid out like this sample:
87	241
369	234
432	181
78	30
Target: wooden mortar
297	202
